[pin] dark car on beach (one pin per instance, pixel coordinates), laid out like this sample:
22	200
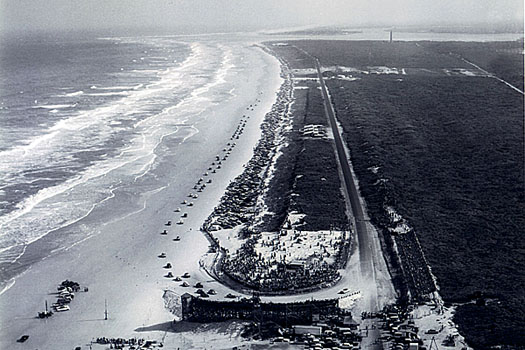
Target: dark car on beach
22	338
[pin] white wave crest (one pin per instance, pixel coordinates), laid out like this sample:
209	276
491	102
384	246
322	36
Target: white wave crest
205	68
122	87
73	94
54	106
119	93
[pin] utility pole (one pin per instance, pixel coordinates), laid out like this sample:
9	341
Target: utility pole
433	344
105	309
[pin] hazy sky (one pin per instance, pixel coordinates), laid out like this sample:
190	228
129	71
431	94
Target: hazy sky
216	15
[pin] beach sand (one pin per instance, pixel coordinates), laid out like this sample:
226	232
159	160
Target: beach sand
119	262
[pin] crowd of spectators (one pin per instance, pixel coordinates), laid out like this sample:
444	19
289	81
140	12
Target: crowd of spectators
270	275
415	266
238	204
131	343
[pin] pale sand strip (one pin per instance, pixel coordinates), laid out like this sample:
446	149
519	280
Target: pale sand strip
120	262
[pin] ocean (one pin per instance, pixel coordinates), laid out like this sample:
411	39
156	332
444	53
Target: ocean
85	120
81	119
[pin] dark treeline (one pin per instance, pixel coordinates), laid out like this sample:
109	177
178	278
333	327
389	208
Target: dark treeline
448	155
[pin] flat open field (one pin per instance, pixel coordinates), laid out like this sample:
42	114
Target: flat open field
441	143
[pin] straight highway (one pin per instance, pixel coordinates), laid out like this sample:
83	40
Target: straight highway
365	254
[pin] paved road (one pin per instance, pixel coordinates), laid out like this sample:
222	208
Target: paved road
365	253
370	254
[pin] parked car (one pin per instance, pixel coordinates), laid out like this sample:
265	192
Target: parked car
22	338
62	308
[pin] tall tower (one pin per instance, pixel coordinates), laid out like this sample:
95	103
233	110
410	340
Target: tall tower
390	36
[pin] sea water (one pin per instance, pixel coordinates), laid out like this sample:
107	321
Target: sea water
81	118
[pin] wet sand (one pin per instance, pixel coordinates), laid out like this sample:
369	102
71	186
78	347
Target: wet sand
119	263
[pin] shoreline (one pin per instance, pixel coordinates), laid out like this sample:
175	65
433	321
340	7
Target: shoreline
120	262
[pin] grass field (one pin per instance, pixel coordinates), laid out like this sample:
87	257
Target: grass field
447	152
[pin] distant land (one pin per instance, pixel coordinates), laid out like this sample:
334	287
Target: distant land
499	28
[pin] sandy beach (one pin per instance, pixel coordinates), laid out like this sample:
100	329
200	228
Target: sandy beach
119	262
124	261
